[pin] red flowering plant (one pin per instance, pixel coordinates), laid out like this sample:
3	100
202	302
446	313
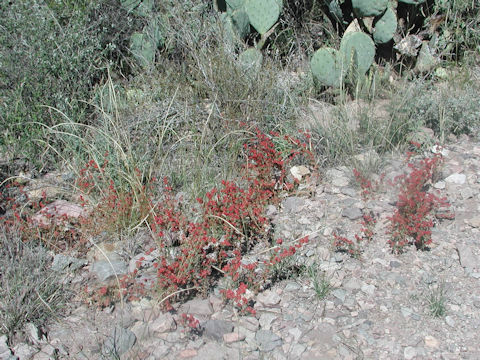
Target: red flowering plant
191	323
192	254
39	219
413	218
231	223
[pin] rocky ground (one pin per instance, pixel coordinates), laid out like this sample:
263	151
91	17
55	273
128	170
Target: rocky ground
378	306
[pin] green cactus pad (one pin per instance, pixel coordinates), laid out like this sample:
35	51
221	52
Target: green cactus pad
425	60
251	60
359	47
263	14
327	67
234	4
142	48
154	31
235	25
336	10
240	23
385	27
369	7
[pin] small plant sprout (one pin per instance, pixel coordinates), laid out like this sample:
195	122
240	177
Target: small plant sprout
320	283
437	302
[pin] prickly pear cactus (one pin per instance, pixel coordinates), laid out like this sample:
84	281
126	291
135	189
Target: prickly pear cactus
240	22
143	48
385	27
234	4
425	61
263	14
369	7
358	51
236	25
327	67
251	60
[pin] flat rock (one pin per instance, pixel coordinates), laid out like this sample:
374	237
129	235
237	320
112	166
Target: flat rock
197	307
473	222
269	298
188	353
64	262
353	284
340	294
353	213
337	178
3	344
456	179
162	324
46	353
213	351
233	337
431	342
467	257
267	340
120	341
293	204
58	211
24	351
106	270
409	352
250	323
215	329
266	320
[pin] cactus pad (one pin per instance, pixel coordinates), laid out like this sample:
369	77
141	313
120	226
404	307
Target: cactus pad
251	60
263	14
234	4
369	7
142	48
327	67
240	23
385	27
358	51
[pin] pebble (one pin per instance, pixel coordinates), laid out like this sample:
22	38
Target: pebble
215	329
233	337
450	321
267	340
409	352
162	324
456	179
107	270
353	213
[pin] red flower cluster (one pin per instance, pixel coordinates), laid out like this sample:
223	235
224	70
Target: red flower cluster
231	223
413	219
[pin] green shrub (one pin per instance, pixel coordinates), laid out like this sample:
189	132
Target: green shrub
459	27
51	54
444	107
